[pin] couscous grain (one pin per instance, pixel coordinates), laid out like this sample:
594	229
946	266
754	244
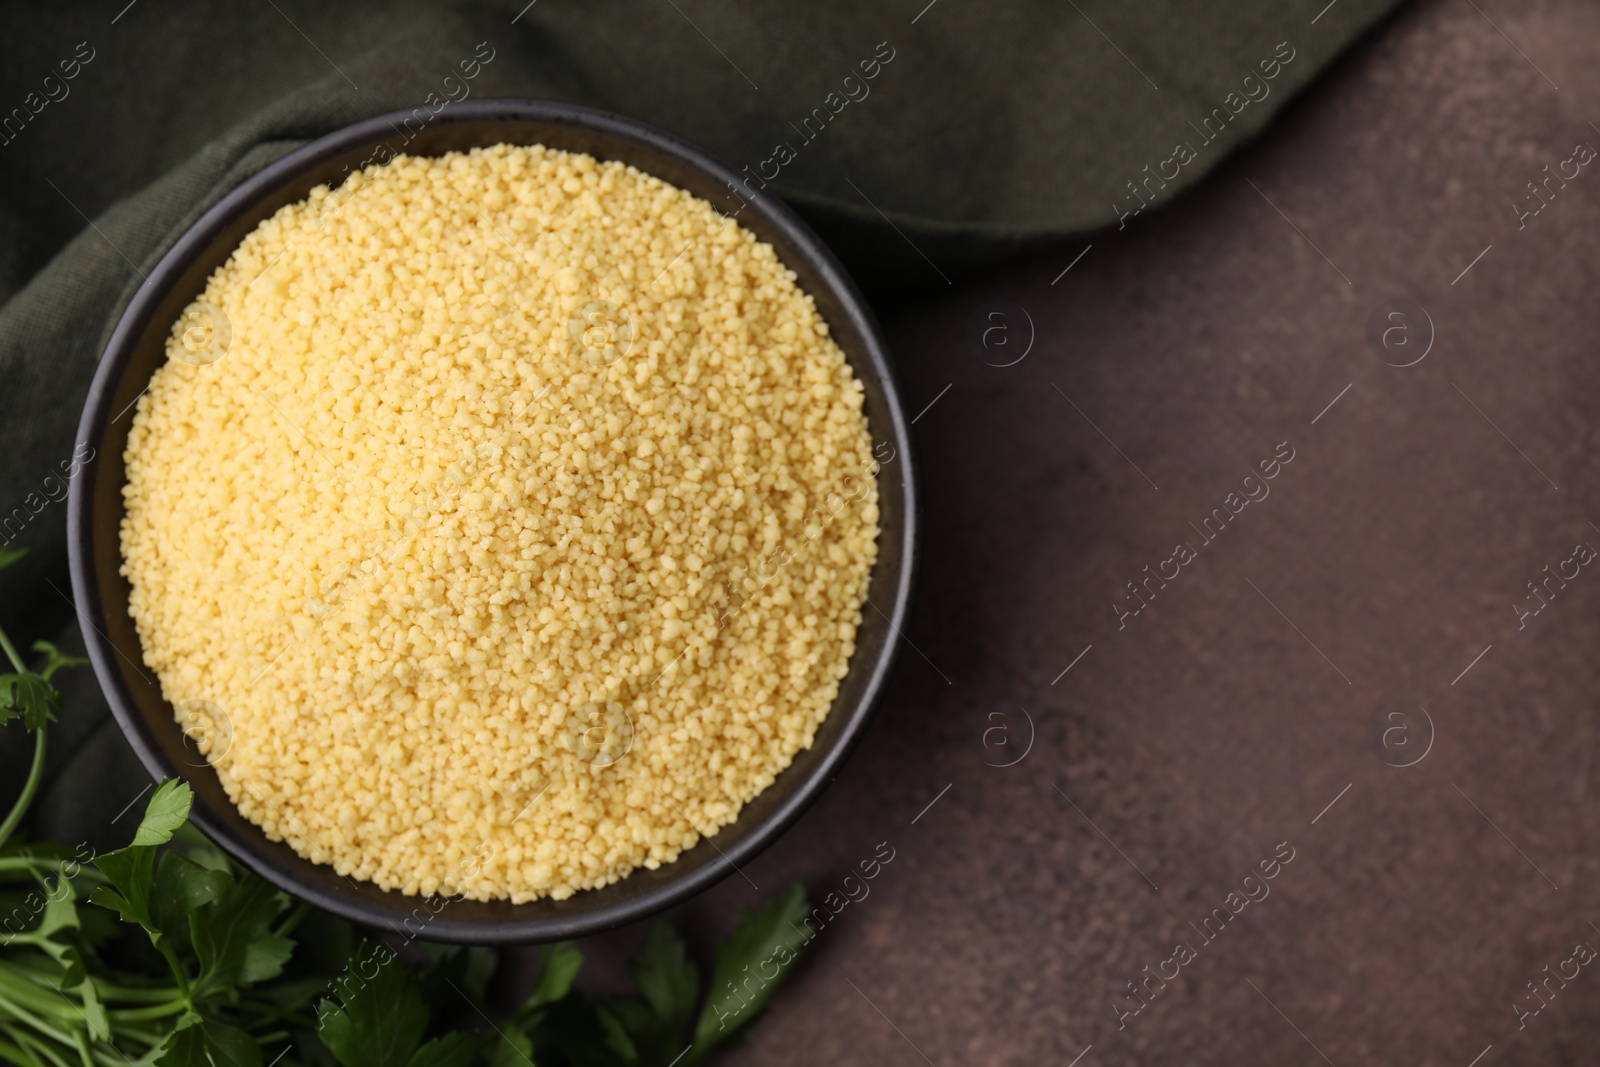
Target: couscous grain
499	523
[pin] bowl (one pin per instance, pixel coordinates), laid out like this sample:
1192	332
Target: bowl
138	346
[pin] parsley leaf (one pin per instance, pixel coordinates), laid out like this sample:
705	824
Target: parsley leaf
383	1017
578	1032
451	1050
167	810
663	973
513	1049
615	1035
181	888
233	940
457	972
750	965
131	871
205	1043
558	966
29	695
671	988
130	874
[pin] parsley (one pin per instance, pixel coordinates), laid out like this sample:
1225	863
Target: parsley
209	966
29	696
381	1021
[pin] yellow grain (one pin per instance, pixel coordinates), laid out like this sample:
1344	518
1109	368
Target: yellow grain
517	538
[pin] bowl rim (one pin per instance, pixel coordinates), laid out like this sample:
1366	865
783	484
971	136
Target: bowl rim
194	241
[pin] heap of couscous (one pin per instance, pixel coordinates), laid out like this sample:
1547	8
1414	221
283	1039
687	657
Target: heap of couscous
499	523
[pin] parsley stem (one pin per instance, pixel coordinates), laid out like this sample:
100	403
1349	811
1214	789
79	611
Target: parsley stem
11	654
154	1011
35	776
37	1046
136	994
28	863
49	977
15	1054
24	1048
17	992
21	1014
82	1044
294	919
177	971
270	1011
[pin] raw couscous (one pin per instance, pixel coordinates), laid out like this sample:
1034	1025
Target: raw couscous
499	523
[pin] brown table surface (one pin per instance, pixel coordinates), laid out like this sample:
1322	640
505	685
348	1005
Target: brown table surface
1248	704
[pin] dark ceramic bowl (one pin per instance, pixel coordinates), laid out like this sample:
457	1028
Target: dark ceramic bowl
137	348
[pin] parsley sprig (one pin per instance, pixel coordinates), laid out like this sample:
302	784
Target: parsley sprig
28	695
210	966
